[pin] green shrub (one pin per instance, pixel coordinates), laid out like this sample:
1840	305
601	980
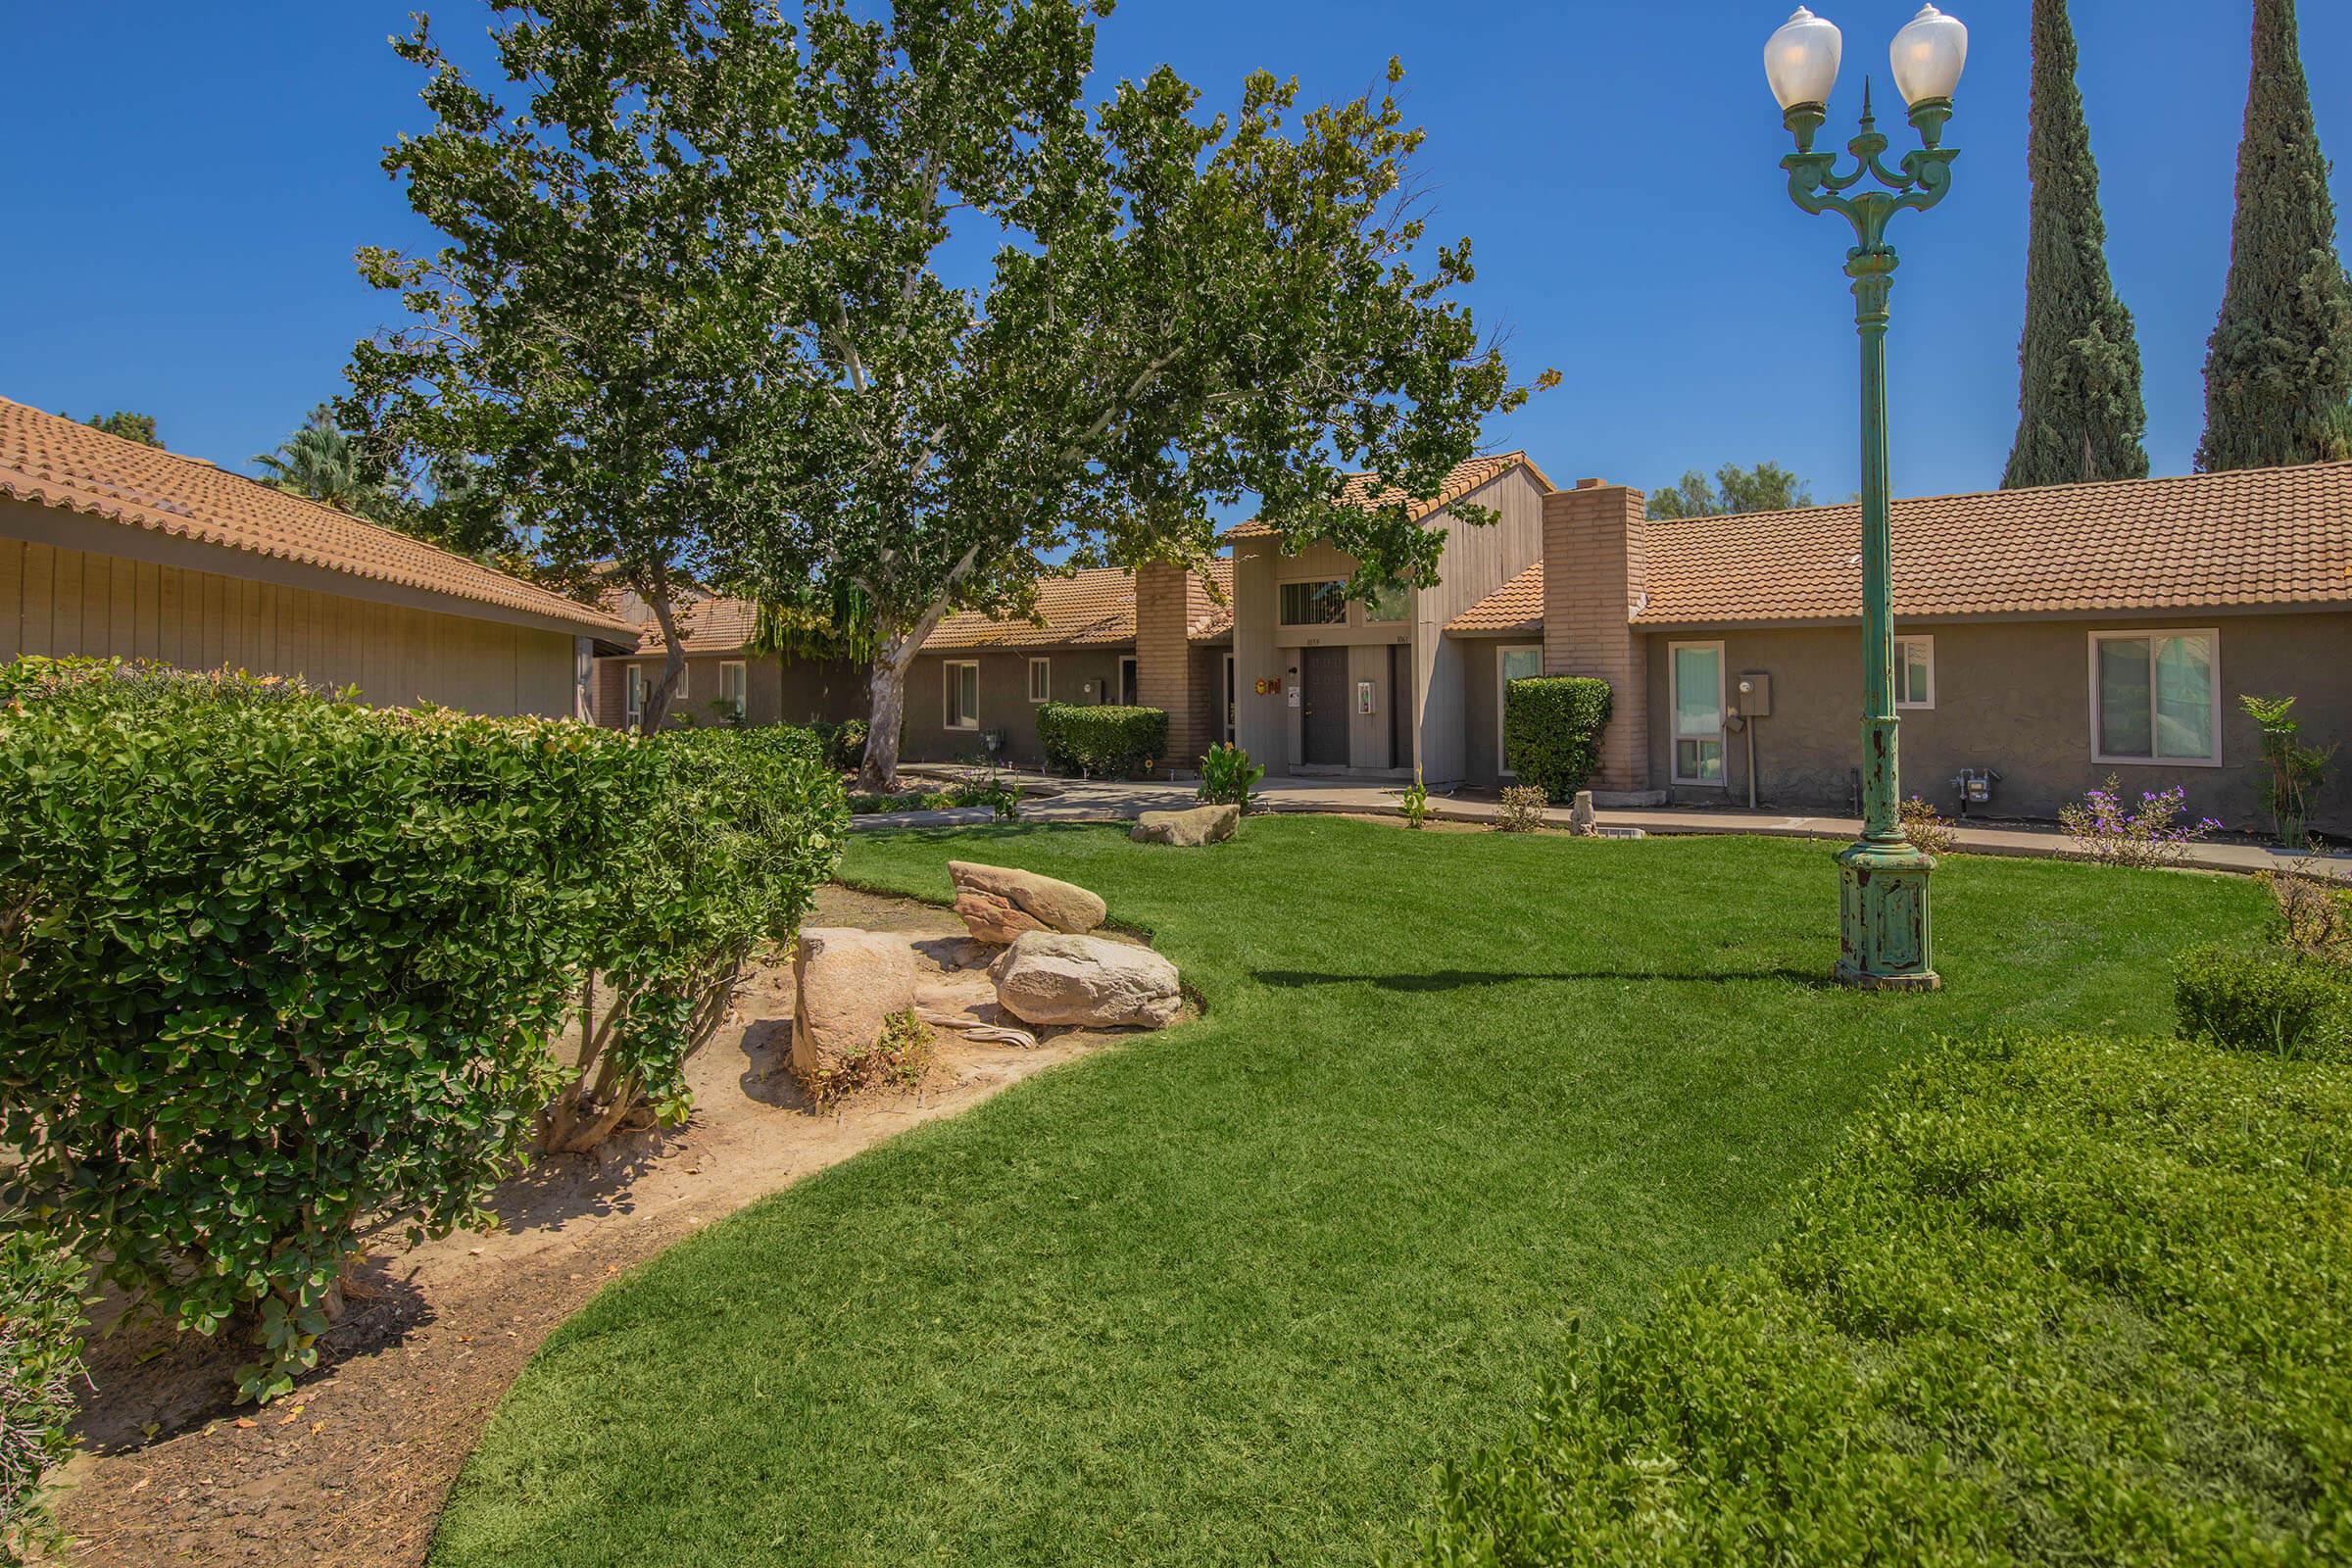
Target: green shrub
1522	809
2057	1300
1228	776
1104	741
725	837
2257	999
271	963
1415	802
1551	729
844	744
40	1321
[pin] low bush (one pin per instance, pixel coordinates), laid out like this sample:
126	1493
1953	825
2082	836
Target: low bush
1102	741
1001	795
1522	809
2112	831
1228	776
843	744
1415	802
1552	731
901	1057
1927	829
2058	1301
2263	999
723	841
2312	912
40	1321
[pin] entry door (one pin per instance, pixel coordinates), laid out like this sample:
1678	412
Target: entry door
1325	699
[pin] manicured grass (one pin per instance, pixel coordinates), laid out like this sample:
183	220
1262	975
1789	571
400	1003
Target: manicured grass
1226	1295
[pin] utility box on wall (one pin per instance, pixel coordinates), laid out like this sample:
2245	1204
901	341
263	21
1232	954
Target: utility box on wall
1751	694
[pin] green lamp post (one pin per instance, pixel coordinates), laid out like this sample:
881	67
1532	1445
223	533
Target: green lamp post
1883	902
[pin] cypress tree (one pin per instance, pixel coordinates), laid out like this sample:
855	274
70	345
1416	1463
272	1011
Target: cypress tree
2280	365
2078	408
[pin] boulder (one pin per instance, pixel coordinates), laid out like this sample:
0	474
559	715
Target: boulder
1187	829
845	983
1046	977
1000	903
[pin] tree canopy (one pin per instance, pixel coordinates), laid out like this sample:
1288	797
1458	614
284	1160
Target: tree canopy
2080	413
139	427
1766	487
2279	368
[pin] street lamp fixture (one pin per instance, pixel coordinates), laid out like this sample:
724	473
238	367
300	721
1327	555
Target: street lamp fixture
1882	900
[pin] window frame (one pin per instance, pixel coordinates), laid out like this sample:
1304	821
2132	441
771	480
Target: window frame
1127	663
743	694
1041	692
949	681
1503	688
1338	587
2151	635
632	697
1676	735
1405	591
1907	704
1232	692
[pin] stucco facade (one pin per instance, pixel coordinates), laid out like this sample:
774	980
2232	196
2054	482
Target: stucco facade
776	691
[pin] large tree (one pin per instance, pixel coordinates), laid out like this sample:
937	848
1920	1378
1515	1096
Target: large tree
1035	333
1766	487
591	372
321	463
2079	413
2280	365
131	427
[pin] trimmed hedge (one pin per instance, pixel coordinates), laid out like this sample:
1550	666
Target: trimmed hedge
1106	741
1551	729
40	1319
2263	1000
2058	1301
274	965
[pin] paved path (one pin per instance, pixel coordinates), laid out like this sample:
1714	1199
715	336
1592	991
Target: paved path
1101	801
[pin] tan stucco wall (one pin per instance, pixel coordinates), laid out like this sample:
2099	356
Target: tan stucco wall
65	601
2012	696
1004	701
775	691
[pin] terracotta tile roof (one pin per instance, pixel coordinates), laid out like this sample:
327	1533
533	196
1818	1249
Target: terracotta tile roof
1516	605
51	461
1464	478
706	626
2260	536
1091	609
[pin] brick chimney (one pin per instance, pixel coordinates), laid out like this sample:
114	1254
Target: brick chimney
1166	676
1593	577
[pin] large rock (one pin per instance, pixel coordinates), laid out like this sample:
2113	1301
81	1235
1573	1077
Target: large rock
1049	978
998	903
846	984
1187	829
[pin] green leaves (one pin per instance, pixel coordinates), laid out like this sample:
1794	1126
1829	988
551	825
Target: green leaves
1107	740
1552	732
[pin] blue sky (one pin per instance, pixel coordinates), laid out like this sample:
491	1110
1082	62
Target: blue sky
187	184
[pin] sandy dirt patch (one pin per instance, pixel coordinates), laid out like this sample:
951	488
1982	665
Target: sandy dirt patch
351	1469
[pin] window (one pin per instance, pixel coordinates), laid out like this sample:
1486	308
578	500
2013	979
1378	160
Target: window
1394	602
1698	670
1520	661
734	681
2155	696
964	694
1229	691
1914	672
1041	680
633	703
1127	680
1315	604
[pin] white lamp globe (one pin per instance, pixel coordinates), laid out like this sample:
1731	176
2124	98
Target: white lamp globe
1800	61
1928	54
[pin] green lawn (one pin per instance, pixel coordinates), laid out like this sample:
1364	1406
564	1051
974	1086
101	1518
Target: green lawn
1225	1295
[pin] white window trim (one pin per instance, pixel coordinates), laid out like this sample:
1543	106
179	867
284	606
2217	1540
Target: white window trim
1127	662
1232	700
946	703
1313	582
1041	692
632	697
1502	767
1674	759
2212	637
742	695
1901	639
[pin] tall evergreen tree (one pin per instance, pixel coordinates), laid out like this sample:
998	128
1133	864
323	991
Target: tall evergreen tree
2078	410
2280	365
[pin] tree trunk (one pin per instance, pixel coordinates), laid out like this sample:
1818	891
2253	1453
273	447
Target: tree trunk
886	713
673	665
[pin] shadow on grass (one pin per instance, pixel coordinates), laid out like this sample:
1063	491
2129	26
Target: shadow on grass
1460	979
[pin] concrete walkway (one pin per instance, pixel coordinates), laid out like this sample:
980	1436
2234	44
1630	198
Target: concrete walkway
1067	800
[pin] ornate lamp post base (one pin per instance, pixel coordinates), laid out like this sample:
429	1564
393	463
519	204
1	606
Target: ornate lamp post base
1883	918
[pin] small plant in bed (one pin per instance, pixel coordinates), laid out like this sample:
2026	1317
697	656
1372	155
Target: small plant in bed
1522	809
899	1057
1228	777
